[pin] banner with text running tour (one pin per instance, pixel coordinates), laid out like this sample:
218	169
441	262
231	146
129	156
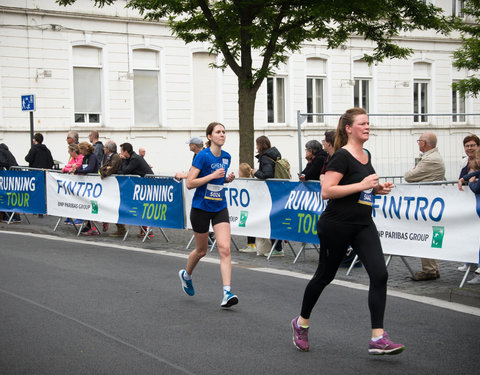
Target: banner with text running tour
150	201
83	197
22	191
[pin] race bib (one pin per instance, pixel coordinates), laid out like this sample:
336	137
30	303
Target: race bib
214	192
366	197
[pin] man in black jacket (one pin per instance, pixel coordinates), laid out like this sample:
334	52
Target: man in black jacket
39	155
132	163
7	159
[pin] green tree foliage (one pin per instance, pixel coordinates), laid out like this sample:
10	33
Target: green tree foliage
468	55
274	29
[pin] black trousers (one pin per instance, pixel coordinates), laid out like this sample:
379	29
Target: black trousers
334	241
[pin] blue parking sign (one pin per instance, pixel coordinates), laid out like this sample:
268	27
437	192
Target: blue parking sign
28	102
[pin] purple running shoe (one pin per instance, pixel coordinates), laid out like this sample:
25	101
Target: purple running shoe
300	336
384	346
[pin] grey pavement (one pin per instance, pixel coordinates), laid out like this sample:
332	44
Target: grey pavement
73	307
445	288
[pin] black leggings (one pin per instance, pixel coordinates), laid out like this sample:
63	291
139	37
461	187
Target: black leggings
334	241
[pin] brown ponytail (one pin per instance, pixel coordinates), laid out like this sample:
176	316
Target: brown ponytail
341	136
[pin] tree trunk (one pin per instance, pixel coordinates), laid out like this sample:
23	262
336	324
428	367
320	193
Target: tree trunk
246	110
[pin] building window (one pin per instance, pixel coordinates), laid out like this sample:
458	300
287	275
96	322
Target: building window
205	89
362	84
276	100
146	87
87	85
316	76
457	8
458	106
315	99
420	100
361	94
422	74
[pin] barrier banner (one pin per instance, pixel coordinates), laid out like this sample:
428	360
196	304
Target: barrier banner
82	197
22	191
439	222
249	204
283	210
154	202
296	208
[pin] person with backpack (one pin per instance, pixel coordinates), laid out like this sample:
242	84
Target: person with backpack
267	157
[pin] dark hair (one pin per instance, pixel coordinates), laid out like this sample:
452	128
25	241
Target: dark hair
209	131
341	137
330	136
38	137
264	144
471	137
127	147
314	146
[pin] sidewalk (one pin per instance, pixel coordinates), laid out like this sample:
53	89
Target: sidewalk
445	288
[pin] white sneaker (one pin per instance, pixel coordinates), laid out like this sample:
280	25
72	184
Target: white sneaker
475	280
248	249
463	268
477	271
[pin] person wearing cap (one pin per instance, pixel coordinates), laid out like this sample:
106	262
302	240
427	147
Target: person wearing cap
196	145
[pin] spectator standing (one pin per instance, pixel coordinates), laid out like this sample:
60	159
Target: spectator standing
315	157
72	137
97	145
7	160
328	142
245	171
430	167
110	166
471	144
89	162
39	155
349	186
75	158
266	169
134	164
196	145
142	152
89	165
473	180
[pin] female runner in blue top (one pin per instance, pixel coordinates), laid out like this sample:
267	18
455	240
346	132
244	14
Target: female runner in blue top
208	174
349	185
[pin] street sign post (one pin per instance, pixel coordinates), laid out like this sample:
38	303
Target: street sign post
28	104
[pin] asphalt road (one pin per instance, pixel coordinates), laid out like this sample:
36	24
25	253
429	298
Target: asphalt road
77	307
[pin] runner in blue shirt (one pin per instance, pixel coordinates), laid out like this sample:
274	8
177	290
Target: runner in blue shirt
207	175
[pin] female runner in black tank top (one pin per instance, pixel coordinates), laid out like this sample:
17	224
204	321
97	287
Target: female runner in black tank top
349	185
